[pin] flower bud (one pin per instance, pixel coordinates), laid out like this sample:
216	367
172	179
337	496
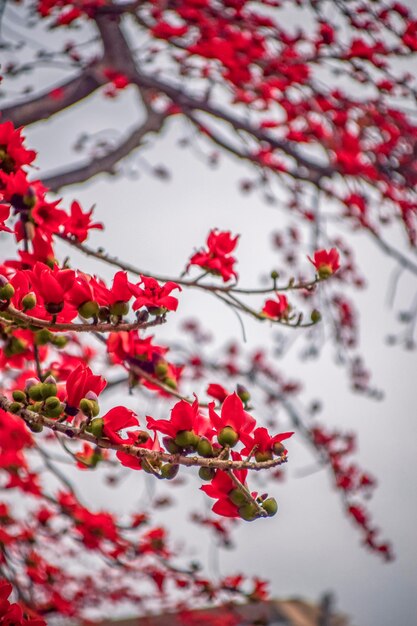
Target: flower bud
237	497
87	407
19	396
119	309
157	310
48	387
96	427
270	505
161	369
279	448
59	341
207	473
169	470
228	437
52	402
243	393
29	301
248	512
142	436
186	439
88	309
53	407
35	392
35	427
36	407
43	336
170	382
15	407
260	457
315	316
171	446
204	448
6	291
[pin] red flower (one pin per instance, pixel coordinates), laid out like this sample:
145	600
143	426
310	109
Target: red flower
217	391
4	214
276	309
216	259
52	285
263	441
133	438
79	223
325	262
184	416
117	419
79	383
12	153
232	415
121	290
155	297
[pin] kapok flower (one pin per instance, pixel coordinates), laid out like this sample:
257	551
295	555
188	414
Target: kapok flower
264	445
233	422
155	297
117	419
78	223
79	383
184	418
221	488
325	262
276	309
215	259
139	439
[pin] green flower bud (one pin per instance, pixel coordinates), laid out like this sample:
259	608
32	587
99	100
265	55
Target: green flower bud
6	291
248	512
48	387
36	427
260	457
207	473
315	316
228	437
96	427
88	309
59	341
237	497
157	310
171	446
186	439
169	471
43	336
119	309
279	448
29	301
270	505
87	407
170	382
161	369
15	407
243	393
19	396
53	407
204	448
52	402
35	392
37	407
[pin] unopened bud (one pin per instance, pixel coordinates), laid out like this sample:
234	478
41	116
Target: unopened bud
6	291
119	309
207	473
96	427
279	448
260	457
35	392
243	393
29	301
315	316
237	497
270	505
161	369
15	407
88	309
87	407
169	471
35	427
248	512
19	396
171	446
186	439
49	387
43	336
59	341
228	437
204	448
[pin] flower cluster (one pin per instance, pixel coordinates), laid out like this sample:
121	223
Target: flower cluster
216	258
